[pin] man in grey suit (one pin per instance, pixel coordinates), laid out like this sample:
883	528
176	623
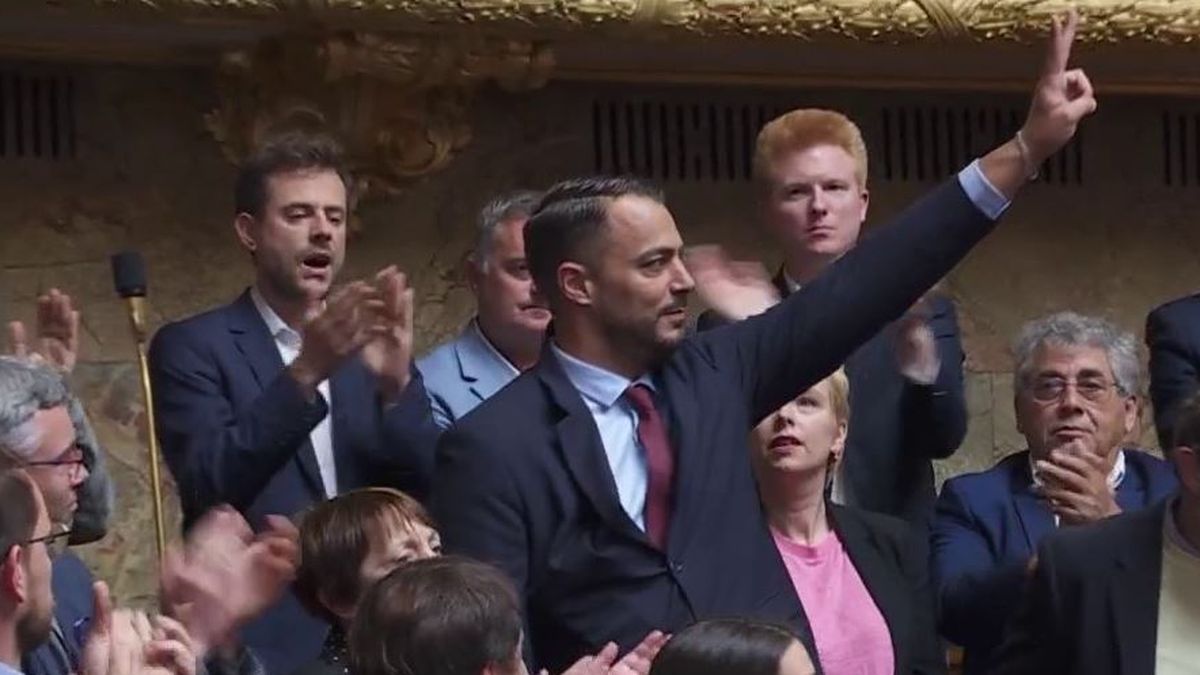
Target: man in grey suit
505	336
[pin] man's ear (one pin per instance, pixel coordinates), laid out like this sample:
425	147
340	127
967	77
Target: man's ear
473	273
14	582
574	283
246	227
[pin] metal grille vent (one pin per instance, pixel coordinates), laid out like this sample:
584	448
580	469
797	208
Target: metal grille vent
37	115
1180	148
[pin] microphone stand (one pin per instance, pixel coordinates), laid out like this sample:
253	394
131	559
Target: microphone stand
137	321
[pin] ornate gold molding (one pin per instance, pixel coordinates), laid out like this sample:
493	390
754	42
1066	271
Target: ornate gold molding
400	105
1161	21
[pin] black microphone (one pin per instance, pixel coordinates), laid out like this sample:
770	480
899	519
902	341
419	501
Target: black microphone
129	278
129	274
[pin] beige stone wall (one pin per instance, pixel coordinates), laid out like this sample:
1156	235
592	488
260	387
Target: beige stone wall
149	177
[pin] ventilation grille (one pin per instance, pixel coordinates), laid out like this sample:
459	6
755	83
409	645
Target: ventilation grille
37	116
1181	148
714	142
921	143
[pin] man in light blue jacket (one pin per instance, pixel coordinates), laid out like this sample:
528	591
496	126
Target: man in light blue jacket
505	336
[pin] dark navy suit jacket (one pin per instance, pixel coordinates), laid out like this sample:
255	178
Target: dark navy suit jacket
234	428
986	527
1173	336
523	482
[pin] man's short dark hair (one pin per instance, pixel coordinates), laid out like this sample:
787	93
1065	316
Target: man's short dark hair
441	616
288	151
568	220
18	510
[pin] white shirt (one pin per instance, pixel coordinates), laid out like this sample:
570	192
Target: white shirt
616	420
287	341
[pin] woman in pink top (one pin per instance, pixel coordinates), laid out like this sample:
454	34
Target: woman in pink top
861	577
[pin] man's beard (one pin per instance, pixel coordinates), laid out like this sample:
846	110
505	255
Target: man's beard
34	629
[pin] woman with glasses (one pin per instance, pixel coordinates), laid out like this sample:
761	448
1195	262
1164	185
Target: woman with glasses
861	577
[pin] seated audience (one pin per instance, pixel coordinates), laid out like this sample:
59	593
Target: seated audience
725	646
1076	402
454	616
862	577
506	335
1173	336
1121	596
349	543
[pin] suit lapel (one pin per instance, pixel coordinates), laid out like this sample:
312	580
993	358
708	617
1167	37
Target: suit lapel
1037	520
875	573
479	365
1135	589
581	449
257	345
346	391
691	464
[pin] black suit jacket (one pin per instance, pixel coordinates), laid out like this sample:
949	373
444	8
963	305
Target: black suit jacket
892	559
523	481
898	425
1173	336
234	428
1091	607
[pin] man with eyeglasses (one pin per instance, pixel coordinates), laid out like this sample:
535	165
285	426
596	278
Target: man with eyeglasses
1076	400
26	599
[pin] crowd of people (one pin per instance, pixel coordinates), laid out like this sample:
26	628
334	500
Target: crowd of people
585	482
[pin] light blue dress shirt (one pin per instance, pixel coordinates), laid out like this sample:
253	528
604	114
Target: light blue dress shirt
6	669
616	419
602	392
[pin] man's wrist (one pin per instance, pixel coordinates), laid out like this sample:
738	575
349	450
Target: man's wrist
306	377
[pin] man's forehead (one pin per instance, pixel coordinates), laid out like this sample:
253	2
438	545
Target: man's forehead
1057	357
636	219
319	187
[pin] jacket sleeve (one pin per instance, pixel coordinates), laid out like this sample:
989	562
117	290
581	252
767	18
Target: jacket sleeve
796	343
928	655
410	437
935	415
974	595
1031	637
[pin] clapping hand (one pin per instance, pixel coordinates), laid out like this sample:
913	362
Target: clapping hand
127	642
636	662
733	289
57	340
389	352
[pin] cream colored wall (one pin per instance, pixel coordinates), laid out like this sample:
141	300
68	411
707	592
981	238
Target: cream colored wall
149	177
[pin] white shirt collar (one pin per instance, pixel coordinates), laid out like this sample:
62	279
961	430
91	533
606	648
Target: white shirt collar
492	348
603	387
275	324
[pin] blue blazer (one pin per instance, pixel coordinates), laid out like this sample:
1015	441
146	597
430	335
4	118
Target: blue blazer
1173	336
899	425
461	374
234	428
71	582
986	527
523	481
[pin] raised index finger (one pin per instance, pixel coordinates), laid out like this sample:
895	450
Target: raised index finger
1058	51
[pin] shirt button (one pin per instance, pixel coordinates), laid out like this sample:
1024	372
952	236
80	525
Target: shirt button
677	567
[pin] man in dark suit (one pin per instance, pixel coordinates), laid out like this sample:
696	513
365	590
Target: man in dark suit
1076	403
907	380
292	393
624	501
1173	336
1120	597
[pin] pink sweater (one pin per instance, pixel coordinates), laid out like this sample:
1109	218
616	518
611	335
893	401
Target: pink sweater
851	636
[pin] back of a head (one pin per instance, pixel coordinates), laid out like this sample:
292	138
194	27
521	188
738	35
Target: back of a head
25	388
441	616
804	128
335	539
724	646
282	152
18	509
568	221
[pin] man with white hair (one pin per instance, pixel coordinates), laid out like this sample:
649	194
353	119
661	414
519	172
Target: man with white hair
1076	397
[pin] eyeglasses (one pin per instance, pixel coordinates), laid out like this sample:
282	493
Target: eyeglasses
76	464
1052	389
56	542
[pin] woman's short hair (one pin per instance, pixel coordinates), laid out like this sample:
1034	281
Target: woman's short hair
839	395
335	539
439	616
723	646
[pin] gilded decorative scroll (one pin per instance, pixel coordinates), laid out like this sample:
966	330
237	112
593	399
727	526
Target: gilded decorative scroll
1163	21
399	104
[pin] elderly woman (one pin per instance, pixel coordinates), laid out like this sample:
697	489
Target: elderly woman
346	545
861	577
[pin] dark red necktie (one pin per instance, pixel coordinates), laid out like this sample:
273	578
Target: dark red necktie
660	463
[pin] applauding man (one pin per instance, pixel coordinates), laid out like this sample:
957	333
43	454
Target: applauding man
295	391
